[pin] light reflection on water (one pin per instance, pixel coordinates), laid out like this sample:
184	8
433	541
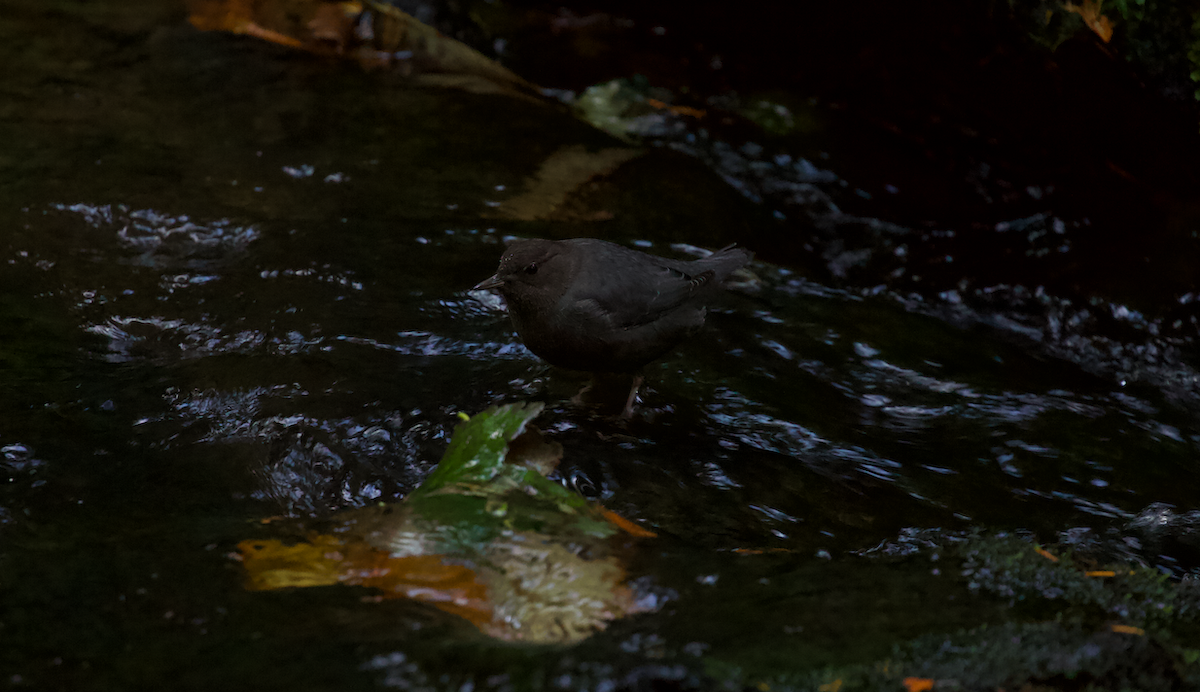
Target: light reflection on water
160	239
418	343
911	425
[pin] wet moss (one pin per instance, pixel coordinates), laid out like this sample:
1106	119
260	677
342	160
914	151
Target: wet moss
1071	624
1135	595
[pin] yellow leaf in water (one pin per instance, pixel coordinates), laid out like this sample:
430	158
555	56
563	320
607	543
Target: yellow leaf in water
325	560
561	174
272	565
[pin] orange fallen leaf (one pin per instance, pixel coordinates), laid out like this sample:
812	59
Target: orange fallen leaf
1100	573
219	16
326	560
375	38
1122	172
918	684
831	686
236	18
627	526
451	588
1046	554
1128	629
1090	11
334	23
678	110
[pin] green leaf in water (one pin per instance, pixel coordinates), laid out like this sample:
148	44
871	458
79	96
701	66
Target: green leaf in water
483	486
479	447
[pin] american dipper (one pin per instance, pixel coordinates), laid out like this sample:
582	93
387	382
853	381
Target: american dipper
587	304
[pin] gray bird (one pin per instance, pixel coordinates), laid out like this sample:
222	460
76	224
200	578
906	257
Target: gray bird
592	305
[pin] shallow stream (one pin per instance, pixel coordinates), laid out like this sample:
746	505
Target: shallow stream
234	284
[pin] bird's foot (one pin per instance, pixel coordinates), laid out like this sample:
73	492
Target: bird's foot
610	394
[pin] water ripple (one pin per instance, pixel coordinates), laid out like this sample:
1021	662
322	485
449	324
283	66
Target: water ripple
421	343
161	240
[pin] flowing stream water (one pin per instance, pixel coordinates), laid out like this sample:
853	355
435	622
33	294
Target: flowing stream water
234	284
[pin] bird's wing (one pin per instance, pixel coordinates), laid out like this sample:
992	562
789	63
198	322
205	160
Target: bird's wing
642	294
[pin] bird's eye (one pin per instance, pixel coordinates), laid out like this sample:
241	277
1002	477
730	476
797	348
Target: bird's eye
532	268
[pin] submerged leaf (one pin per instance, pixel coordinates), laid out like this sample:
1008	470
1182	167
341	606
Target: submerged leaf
563	173
546	593
486	537
327	560
271	565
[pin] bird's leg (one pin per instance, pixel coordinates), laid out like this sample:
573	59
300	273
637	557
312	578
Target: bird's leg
581	398
610	393
627	412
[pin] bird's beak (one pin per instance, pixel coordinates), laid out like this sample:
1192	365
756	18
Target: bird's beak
493	281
